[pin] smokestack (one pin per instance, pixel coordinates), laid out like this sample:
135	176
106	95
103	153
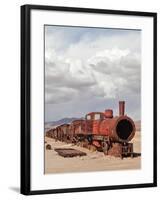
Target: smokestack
121	108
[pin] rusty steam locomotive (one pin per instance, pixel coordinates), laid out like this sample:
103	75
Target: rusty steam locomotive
100	130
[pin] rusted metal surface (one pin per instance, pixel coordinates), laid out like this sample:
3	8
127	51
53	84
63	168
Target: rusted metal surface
78	127
109	113
96	126
121	108
121	129
93	120
69	152
121	150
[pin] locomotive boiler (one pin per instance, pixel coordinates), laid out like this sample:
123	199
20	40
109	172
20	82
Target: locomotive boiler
100	130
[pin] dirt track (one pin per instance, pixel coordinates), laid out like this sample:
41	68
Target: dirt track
94	161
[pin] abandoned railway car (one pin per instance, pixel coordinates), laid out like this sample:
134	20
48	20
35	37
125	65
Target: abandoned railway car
100	130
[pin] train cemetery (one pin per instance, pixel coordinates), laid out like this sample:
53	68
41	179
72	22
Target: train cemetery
101	140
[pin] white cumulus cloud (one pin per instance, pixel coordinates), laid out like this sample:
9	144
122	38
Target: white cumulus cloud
105	66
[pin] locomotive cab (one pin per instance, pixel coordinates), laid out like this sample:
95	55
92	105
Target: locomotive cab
93	121
95	116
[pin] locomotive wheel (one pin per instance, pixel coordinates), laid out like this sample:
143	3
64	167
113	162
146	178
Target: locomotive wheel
105	147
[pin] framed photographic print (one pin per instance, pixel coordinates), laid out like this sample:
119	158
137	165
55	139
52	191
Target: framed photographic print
88	99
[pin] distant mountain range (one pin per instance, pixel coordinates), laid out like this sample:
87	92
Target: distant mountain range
49	125
62	121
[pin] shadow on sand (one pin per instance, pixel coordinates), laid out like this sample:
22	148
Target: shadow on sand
15	189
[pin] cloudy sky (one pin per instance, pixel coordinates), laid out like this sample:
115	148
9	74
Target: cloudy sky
91	69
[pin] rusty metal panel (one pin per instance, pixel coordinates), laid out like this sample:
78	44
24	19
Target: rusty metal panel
89	126
96	124
78	127
109	113
69	152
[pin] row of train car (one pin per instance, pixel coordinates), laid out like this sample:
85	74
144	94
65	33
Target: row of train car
99	130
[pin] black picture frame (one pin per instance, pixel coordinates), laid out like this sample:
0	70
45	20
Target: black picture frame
26	94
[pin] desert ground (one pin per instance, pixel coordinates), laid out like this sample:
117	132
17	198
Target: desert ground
93	161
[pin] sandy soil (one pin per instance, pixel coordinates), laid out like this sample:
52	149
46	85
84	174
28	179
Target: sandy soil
93	161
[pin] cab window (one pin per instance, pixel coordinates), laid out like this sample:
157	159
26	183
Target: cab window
97	116
88	117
